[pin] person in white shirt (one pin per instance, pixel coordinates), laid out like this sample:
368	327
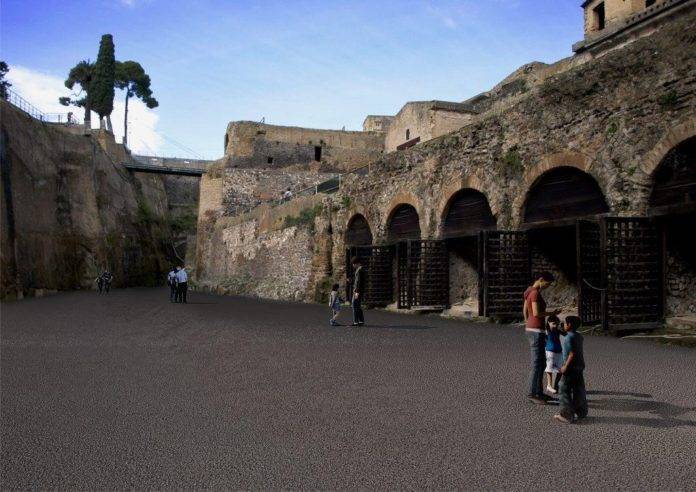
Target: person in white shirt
181	284
171	282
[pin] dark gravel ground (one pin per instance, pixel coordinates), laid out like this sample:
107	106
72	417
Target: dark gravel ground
129	391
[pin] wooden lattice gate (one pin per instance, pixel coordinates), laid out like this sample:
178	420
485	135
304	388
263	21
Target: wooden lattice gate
590	278
620	273
505	271
633	273
423	275
378	262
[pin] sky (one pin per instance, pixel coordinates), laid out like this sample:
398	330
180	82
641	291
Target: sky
311	63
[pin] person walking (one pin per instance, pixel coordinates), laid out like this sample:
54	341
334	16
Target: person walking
181	284
534	312
359	282
171	282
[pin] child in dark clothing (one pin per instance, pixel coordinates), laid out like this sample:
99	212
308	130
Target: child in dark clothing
335	302
573	399
554	355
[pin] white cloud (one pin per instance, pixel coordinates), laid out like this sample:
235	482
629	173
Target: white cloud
42	90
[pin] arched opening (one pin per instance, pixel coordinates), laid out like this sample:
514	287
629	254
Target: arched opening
554	203
562	194
403	224
673	202
466	214
358	232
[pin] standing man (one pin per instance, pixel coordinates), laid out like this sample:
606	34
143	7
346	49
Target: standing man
181	284
171	282
108	278
358	292
534	312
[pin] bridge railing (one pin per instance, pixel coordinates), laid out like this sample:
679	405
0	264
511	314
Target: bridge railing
19	102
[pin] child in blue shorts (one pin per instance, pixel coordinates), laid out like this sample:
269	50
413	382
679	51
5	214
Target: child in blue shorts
335	302
554	353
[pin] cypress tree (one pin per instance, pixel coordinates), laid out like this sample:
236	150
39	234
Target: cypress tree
102	87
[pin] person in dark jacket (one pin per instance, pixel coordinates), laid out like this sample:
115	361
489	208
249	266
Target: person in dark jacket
359	283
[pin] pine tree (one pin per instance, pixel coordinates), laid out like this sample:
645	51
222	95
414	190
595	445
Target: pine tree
4	84
81	74
131	77
102	87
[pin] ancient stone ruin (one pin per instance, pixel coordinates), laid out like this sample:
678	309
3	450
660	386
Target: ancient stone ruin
584	167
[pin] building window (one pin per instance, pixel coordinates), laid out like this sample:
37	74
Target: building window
649	3
269	160
599	18
317	153
408	134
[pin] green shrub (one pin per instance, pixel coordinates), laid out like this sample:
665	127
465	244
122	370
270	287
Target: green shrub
305	218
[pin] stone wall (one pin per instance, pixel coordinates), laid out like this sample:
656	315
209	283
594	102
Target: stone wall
427	120
257	145
273	252
69	209
613	118
245	188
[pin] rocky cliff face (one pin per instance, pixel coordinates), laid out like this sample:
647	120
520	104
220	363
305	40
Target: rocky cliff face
69	209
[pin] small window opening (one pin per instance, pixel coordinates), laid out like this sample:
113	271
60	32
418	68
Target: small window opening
317	153
408	134
599	19
649	3
269	160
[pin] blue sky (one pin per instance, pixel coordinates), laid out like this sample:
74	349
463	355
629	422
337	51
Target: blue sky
314	63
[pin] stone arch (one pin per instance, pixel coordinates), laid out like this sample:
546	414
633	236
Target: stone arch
400	198
467	211
403	222
674	179
358	231
548	162
563	192
674	137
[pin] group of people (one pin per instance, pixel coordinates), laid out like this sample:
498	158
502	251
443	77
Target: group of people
103	282
556	347
560	362
335	300
177	279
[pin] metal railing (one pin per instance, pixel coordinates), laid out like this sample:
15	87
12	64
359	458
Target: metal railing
61	118
328	186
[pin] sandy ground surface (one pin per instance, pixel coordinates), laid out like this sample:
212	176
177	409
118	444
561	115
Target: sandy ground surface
129	391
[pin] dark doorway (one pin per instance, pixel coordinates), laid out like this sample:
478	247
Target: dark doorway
403	224
561	194
673	202
317	153
674	188
599	17
468	213
554	203
358	232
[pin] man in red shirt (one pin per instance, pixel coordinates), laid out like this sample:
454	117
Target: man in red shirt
534	312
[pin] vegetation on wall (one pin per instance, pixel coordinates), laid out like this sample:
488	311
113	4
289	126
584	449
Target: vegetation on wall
305	218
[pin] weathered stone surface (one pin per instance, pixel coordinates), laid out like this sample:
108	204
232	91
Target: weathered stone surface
69	210
613	117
